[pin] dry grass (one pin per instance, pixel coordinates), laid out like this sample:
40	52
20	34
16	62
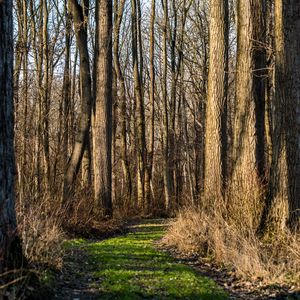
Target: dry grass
44	226
42	237
43	229
236	246
41	234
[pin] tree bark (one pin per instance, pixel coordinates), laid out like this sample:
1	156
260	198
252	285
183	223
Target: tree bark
9	242
45	88
140	110
73	166
216	108
119	9
284	205
66	86
150	151
249	135
168	180
102	125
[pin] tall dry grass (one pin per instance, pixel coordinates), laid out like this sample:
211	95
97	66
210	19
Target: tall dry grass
212	235
44	225
41	233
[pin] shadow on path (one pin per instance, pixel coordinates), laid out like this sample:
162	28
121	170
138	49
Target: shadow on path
129	267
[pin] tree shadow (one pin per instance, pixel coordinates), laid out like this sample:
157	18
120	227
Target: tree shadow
129	267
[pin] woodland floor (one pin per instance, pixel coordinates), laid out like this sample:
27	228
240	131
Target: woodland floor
132	266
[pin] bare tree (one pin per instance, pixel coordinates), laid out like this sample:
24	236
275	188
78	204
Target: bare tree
168	178
150	152
78	12
140	109
119	10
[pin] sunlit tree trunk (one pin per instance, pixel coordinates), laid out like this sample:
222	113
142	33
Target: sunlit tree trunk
78	12
150	155
249	134
140	110
86	166
168	180
216	108
37	41
119	10
270	86
102	124
182	119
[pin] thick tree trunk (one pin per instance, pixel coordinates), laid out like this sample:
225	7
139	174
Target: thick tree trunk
216	108
285	169
102	124
249	134
9	242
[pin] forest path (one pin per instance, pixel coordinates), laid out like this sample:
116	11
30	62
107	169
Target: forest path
130	267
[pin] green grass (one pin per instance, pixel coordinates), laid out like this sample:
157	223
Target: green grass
129	267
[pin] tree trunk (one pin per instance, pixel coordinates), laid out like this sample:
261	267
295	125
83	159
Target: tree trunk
45	111
216	108
140	110
285	169
150	155
168	180
270	83
102	125
66	86
199	124
9	242
86	166
249	134
73	166
119	9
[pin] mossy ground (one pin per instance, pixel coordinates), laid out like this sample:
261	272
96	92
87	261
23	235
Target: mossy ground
129	267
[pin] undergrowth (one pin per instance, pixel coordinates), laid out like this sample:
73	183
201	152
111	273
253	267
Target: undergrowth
210	235
43	229
40	229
